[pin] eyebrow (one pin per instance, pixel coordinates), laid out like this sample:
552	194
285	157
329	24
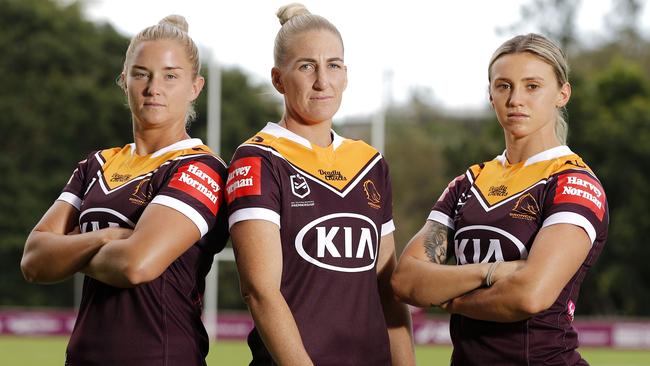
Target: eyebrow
307	59
530	78
165	68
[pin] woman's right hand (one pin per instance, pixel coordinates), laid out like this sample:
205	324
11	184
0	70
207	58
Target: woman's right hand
504	269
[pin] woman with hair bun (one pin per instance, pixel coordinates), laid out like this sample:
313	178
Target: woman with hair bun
525	226
143	221
310	214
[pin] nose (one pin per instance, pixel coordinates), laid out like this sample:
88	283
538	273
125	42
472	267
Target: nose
322	79
516	97
153	86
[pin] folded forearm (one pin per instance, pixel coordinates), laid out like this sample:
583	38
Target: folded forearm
424	284
51	257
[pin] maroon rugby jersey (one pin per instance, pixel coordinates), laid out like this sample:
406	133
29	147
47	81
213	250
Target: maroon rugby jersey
496	210
156	323
332	205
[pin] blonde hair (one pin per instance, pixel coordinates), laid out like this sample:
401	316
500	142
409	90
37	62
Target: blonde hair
296	19
173	27
549	52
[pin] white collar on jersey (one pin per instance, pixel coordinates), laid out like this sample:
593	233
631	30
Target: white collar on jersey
180	145
278	131
549	154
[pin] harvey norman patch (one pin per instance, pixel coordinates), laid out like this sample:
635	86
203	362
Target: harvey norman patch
199	181
244	178
583	190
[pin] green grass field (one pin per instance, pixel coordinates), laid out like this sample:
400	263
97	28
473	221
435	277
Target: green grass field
49	351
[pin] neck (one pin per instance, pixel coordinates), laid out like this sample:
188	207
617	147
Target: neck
318	134
150	140
520	149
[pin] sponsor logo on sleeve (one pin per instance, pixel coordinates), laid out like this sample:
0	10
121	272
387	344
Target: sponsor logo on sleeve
199	181
582	190
244	178
372	195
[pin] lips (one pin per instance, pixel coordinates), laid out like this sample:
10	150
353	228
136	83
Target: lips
153	104
517	115
321	97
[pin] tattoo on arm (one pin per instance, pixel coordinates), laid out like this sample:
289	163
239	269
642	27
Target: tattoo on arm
435	242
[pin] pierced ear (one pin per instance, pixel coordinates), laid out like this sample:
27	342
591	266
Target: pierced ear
276	79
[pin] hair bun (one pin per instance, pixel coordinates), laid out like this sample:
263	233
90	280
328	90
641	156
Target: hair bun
177	21
291	10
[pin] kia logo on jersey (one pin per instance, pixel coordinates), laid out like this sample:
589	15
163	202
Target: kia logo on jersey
343	242
299	186
482	244
98	218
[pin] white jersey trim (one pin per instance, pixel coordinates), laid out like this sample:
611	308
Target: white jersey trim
187	210
279	131
573	219
387	227
440	217
253	213
180	145
71	199
549	154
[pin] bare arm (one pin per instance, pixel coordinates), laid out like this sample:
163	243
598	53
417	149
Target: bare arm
556	255
423	279
161	235
52	256
258	253
398	318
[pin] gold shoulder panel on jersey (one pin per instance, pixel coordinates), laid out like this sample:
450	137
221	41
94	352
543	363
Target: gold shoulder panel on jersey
106	154
497	182
337	168
124	166
573	162
475	170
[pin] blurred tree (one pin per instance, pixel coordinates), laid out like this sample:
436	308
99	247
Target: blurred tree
553	18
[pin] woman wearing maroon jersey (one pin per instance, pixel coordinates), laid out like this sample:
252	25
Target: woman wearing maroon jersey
143	221
525	227
311	219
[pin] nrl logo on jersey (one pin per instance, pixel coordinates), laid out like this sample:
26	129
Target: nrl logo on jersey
299	186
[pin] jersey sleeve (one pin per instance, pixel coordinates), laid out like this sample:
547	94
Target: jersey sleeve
195	189
388	225
78	184
253	188
577	198
444	209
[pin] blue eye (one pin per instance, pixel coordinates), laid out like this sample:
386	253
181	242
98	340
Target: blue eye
334	66
306	67
171	77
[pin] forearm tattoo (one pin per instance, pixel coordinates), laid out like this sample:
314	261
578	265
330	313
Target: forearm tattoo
435	242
